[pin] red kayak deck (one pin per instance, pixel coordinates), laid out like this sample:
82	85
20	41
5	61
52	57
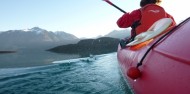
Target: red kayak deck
166	68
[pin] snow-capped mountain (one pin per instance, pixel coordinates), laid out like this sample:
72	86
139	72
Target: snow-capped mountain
34	38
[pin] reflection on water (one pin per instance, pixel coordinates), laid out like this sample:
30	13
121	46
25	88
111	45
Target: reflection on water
27	58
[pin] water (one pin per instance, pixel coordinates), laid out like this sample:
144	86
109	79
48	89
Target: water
28	58
92	75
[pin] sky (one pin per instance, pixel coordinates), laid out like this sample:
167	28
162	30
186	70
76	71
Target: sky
83	18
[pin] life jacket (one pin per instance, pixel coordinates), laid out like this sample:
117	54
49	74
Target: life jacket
149	14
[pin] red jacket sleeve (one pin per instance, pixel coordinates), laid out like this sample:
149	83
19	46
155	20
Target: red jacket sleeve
129	18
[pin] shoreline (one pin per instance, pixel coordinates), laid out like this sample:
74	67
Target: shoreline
4	52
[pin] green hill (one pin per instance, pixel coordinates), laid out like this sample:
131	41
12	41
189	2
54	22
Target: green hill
86	47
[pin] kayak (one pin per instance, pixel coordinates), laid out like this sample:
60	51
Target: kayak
158	63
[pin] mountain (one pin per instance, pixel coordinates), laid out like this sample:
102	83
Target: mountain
100	45
120	34
87	47
38	38
34	38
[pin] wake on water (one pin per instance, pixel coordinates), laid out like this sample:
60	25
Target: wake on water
92	75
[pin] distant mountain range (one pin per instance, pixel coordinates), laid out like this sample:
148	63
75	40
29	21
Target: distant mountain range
87	47
37	38
120	34
34	38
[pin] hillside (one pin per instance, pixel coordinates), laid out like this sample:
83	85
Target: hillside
87	47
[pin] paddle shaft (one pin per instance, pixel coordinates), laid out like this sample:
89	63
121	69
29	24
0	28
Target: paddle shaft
109	2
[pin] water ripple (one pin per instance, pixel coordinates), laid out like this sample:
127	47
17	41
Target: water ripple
100	76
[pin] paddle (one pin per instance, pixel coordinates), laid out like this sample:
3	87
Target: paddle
109	2
126	40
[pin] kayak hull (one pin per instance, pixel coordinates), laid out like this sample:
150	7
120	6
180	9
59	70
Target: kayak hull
165	69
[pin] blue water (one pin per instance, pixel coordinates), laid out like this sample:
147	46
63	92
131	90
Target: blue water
91	75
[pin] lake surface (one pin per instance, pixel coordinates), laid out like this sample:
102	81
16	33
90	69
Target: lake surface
98	74
28	58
